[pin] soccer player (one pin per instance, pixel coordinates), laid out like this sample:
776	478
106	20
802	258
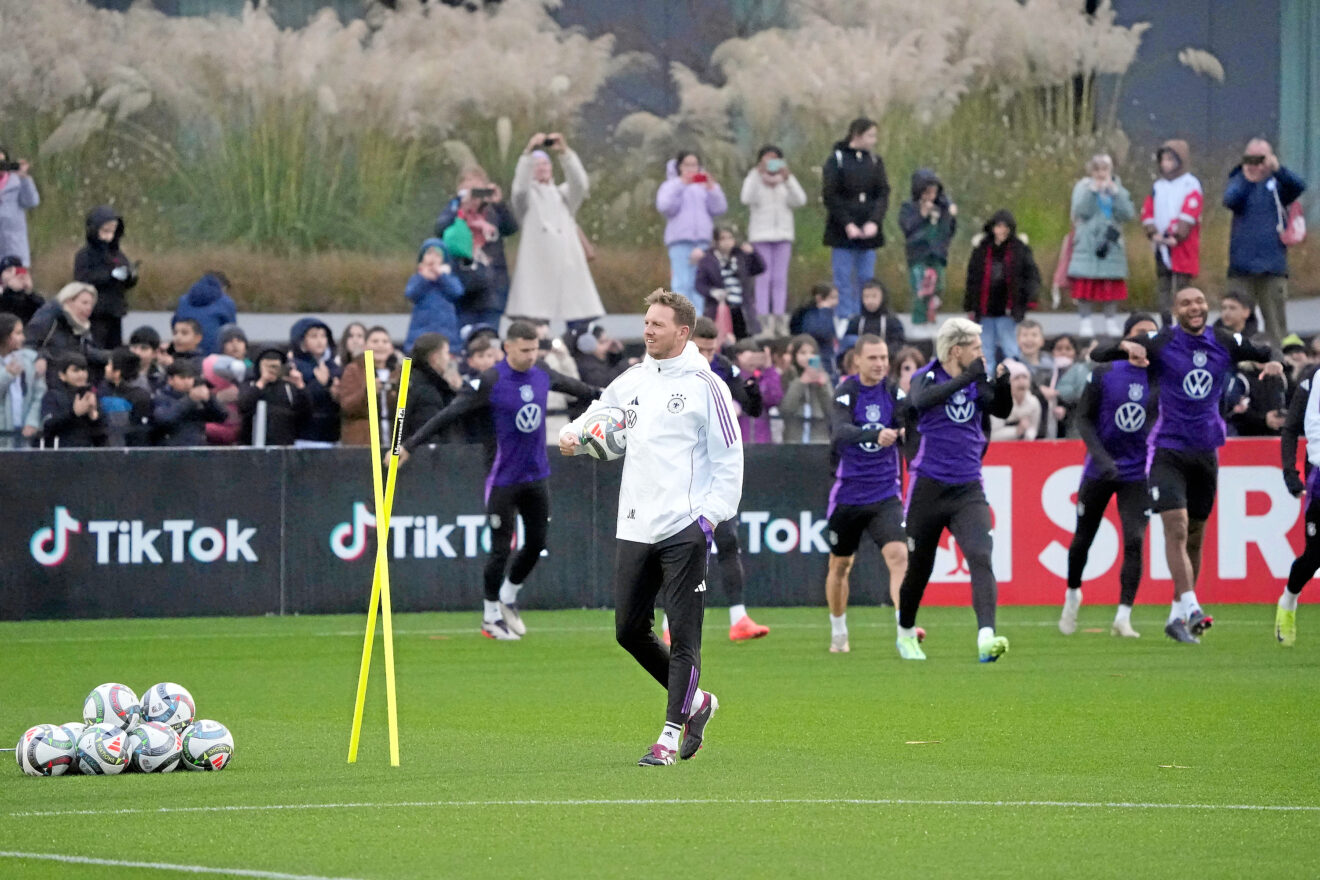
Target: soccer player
1303	420
953	399
864	425
1112	420
682	477
1188	364
513	392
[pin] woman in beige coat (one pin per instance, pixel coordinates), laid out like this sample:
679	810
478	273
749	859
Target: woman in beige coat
551	280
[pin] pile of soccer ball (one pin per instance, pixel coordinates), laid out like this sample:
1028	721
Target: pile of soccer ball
120	732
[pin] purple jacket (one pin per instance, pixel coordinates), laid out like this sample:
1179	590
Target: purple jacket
690	208
757	430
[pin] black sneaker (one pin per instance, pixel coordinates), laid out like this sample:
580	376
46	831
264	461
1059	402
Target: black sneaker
695	728
1198	622
658	756
1177	630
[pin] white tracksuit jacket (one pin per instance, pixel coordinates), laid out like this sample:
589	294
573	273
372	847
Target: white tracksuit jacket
685	454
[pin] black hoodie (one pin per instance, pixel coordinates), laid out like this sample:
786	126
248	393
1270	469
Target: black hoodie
59	423
927	242
855	190
94	264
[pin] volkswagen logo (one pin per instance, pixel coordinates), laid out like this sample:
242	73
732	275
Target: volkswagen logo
871	447
1197	384
960	410
528	418
1130	417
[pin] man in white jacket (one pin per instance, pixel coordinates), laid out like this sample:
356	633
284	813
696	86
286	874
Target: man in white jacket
681	477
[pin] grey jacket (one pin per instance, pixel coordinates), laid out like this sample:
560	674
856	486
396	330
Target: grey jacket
35	389
1090	225
17	196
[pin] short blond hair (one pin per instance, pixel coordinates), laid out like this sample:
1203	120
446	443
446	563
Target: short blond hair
955	331
685	314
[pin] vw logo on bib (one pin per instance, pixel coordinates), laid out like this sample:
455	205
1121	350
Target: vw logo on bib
528	418
1130	417
959	408
871	426
1197	383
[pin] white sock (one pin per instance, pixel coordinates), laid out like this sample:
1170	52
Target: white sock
509	592
491	612
1072	598
839	625
1175	610
907	632
664	623
669	736
736	613
1189	603
697	699
1124	614
1288	601
985	634
896	614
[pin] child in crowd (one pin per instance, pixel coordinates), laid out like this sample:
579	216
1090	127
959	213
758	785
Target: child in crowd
124	404
875	318
753	360
724	277
69	411
433	291
928	222
183	407
186	343
816	319
282	389
1023	422
314	358
145	343
806	403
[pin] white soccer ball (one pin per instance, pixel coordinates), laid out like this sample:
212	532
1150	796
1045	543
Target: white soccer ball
154	747
114	704
170	704
45	750
605	433
103	750
207	745
75	729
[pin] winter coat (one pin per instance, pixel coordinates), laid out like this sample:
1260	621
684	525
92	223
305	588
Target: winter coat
18	195
499	216
758	429
355	417
322	422
551	280
52	333
207	303
428	393
856	190
433	303
770	208
98	259
882	323
799	427
689	208
1090	227
180	420
1020	273
33	389
22	303
224	433
126	411
1254	247
819	325
710	276
286	409
59	424
927	242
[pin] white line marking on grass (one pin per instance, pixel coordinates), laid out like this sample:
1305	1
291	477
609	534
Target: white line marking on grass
643	802
163	866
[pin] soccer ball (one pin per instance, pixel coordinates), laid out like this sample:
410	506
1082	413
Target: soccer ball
45	750
170	704
103	750
113	703
154	747
75	729
605	433
207	745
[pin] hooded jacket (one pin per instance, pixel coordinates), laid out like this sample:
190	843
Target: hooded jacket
433	302
927	242
23	303
689	208
286	410
18	195
207	303
180	420
855	189
1259	210
1012	262
881	322
322	422
1174	208
126	411
1091	225
96	262
32	387
685	454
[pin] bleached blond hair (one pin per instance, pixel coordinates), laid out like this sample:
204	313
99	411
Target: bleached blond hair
955	331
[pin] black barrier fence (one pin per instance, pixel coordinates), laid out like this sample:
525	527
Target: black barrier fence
165	533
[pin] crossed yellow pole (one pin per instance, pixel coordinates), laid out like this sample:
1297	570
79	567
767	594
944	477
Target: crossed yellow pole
380	581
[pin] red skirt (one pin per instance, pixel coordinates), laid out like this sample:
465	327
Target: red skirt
1098	289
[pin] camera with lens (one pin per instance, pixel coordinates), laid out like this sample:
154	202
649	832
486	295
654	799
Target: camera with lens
9	165
1112	236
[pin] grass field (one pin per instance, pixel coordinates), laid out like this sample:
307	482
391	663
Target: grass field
1084	757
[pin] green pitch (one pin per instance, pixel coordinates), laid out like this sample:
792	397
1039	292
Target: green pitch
1084	757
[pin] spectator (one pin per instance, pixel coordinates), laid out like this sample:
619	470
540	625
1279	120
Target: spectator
281	388
1260	412
480	205
1260	192
209	304
754	361
1097	271
225	375
551	279
805	406
928	223
1237	314
771	194
1295	359
1072	380
689	199
856	194
435	384
145	343
351	343
234	344
314	358
186	343
724	277
908	360
103	265
69	412
743	388
16	296
598	360
182	409
433	290
22	385
125	406
1171	217
875	319
355	418
1023	422
18	195
1031	351
479	355
1002	285
63	326
816	319
1063	362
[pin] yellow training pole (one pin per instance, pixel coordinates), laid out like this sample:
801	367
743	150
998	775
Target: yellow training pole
382	535
384	577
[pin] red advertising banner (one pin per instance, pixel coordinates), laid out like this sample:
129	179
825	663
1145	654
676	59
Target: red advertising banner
1251	539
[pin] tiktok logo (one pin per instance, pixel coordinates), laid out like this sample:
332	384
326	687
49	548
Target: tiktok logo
348	540
50	545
